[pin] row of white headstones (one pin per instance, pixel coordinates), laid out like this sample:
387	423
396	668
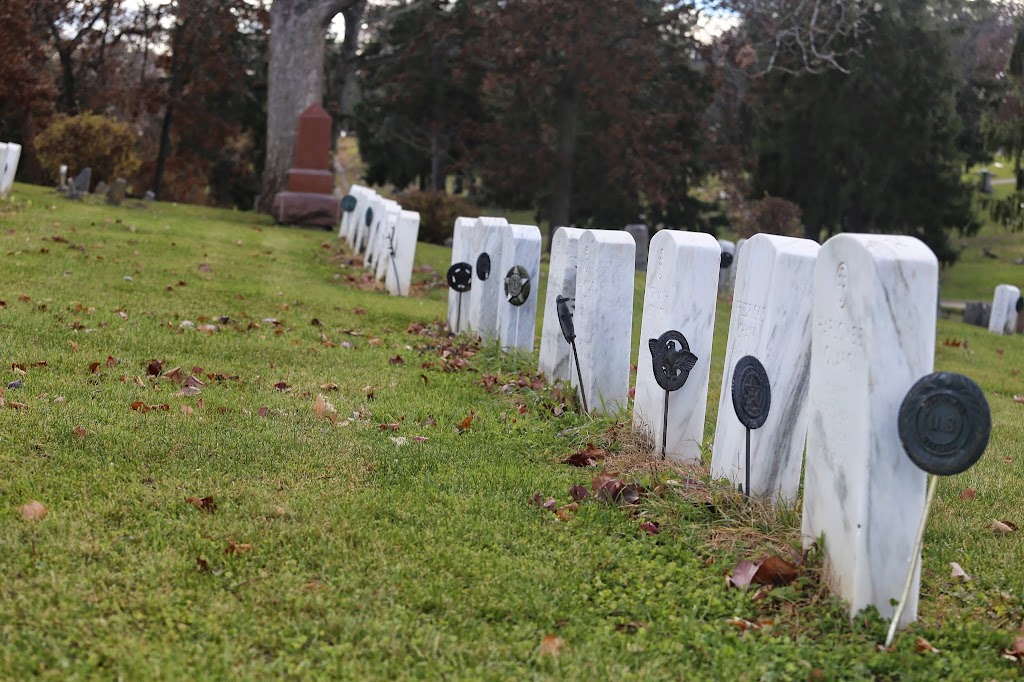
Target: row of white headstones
384	234
843	330
10	154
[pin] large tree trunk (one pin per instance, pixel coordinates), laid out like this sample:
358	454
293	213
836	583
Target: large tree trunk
568	102
295	79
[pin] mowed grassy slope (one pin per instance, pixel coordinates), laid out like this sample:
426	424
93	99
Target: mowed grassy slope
371	560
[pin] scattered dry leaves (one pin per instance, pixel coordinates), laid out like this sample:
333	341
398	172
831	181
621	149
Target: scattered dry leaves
206	504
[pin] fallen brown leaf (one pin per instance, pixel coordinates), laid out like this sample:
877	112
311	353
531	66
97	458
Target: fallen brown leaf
206	504
650	527
958	572
922	645
551	645
467	423
1016	650
1002	527
140	406
32	511
742	574
397	360
968	494
321	406
202	564
237	547
78	431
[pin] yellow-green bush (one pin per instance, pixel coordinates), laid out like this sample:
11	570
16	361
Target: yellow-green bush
438	212
103	144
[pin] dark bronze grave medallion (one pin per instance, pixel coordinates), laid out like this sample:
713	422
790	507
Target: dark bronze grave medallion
517	285
565	319
348	203
1020	304
726	260
671	359
483	266
944	423
460	277
751	392
369	215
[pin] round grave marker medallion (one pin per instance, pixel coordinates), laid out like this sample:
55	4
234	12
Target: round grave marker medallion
460	277
348	203
517	285
726	260
1020	304
483	266
671	359
944	423
369	215
751	392
565	319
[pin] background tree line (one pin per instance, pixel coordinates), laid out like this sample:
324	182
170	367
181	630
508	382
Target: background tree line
807	117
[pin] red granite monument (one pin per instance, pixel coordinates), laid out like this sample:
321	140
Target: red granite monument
309	197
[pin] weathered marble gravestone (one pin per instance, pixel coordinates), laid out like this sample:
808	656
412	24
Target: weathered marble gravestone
603	319
349	212
102	188
734	269
115	195
727	257
555	353
642	237
977	313
519	274
771	320
385	239
1003	319
873	338
458	301
401	253
365	212
62	180
488	282
309	195
681	295
10	168
371	216
80	185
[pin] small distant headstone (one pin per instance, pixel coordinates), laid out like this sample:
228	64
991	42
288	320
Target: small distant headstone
115	195
603	319
642	237
977	313
985	181
726	259
102	187
1004	310
680	296
488	294
150	195
401	253
771	321
459	294
873	338
518	281
555	352
63	178
83	180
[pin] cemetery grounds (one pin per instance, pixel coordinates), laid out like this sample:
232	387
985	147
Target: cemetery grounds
311	481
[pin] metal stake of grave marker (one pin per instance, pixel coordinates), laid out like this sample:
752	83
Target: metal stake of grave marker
944	425
752	399
933	484
569	334
664	428
394	265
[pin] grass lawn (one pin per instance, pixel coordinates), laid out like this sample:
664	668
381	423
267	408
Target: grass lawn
387	540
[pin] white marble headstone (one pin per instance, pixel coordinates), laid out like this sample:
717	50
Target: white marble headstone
681	295
771	320
488	294
399	273
1003	319
462	246
603	319
555	353
358	221
388	232
3	164
873	338
516	323
724	274
362	227
348	217
735	264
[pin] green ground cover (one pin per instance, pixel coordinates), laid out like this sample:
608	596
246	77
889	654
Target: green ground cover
336	552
